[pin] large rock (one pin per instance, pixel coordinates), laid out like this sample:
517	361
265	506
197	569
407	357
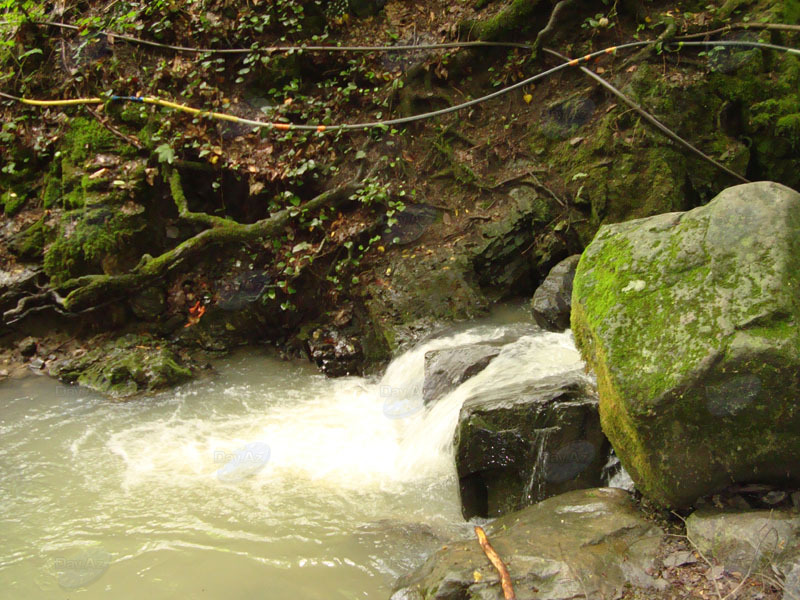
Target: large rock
522	435
552	299
586	543
690	321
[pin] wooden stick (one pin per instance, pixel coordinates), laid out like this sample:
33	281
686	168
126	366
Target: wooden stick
494	558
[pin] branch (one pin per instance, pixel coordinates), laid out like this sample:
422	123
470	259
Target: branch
653	121
732	26
494	558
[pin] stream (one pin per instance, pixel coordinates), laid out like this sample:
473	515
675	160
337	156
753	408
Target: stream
264	480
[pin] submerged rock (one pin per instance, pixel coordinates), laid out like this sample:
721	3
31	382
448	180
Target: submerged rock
448	368
585	543
518	446
124	367
335	353
690	321
553	299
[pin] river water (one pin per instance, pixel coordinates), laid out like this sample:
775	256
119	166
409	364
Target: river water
265	480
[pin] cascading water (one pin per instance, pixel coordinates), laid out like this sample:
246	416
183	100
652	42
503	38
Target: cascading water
267	480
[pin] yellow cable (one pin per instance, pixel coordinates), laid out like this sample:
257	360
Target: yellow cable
62	102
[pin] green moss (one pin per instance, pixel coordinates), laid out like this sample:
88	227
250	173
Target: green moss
52	185
85	237
12	202
29	243
86	138
124	367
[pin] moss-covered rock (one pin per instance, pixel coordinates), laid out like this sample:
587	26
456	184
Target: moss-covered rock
690	323
124	367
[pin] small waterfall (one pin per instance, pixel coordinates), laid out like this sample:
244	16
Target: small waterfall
534	490
264	477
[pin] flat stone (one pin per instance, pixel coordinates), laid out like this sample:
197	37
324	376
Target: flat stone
586	542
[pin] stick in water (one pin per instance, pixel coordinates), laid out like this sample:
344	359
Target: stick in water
494	558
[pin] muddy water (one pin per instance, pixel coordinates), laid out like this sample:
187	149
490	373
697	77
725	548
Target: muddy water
264	481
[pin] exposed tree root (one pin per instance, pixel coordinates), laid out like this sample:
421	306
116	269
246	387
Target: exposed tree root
173	177
92	291
545	34
498	27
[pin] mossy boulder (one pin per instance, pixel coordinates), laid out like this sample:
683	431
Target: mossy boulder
690	321
124	367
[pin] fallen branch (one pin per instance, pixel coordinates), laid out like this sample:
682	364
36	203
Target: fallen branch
653	121
494	558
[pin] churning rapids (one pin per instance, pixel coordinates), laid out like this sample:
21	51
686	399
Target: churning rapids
264	481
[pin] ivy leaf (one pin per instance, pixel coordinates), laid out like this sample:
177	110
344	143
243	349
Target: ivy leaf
165	154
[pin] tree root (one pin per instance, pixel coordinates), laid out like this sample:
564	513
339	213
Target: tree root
499	26
545	34
90	292
173	177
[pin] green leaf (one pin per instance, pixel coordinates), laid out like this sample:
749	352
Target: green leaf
165	154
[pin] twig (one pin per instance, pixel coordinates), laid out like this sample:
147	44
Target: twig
494	558
104	122
732	26
653	121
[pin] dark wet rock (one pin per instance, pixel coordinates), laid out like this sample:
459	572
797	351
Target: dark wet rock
335	353
149	304
124	367
508	259
553	299
515	447
415	295
446	369
690	321
585	543
27	347
747	541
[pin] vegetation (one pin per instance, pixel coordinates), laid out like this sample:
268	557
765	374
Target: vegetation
119	196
